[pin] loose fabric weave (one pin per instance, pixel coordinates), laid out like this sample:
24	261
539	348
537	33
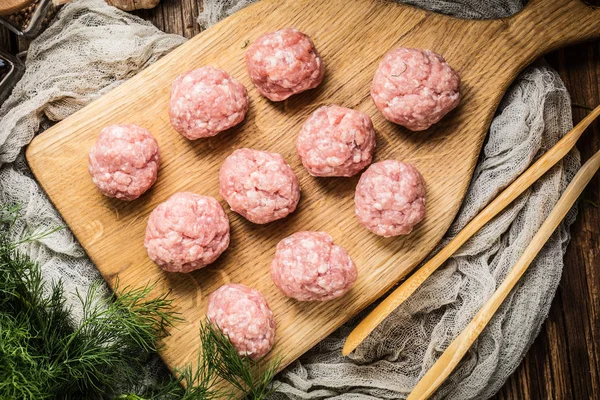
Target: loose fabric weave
92	48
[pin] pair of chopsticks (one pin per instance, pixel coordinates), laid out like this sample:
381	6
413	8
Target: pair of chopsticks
459	347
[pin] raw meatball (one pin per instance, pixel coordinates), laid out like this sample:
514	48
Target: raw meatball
308	266
284	63
390	198
124	161
259	185
336	141
244	315
206	101
415	88
187	232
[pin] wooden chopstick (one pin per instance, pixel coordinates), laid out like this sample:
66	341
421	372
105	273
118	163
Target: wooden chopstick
459	347
532	174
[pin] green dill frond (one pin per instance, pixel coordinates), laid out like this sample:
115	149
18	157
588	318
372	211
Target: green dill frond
45	354
243	373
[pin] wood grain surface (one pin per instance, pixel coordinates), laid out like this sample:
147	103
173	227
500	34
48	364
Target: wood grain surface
8	7
563	362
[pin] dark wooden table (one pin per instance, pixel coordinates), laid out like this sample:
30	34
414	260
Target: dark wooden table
564	361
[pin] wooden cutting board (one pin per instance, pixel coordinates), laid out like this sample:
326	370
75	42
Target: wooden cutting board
352	36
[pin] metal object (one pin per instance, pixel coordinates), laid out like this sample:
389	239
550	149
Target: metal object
29	21
11	70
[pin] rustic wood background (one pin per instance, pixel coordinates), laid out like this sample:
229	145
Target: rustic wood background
564	361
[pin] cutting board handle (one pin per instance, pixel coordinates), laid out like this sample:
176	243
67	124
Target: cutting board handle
552	24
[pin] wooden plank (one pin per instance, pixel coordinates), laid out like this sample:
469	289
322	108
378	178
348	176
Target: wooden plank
175	16
189	10
112	232
6	39
564	361
580	286
156	16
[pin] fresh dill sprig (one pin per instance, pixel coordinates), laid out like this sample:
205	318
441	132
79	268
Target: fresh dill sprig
244	374
46	354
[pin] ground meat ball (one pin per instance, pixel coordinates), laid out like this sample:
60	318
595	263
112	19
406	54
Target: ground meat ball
206	101
243	314
415	88
259	185
336	141
187	232
308	266
284	63
390	198
124	161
